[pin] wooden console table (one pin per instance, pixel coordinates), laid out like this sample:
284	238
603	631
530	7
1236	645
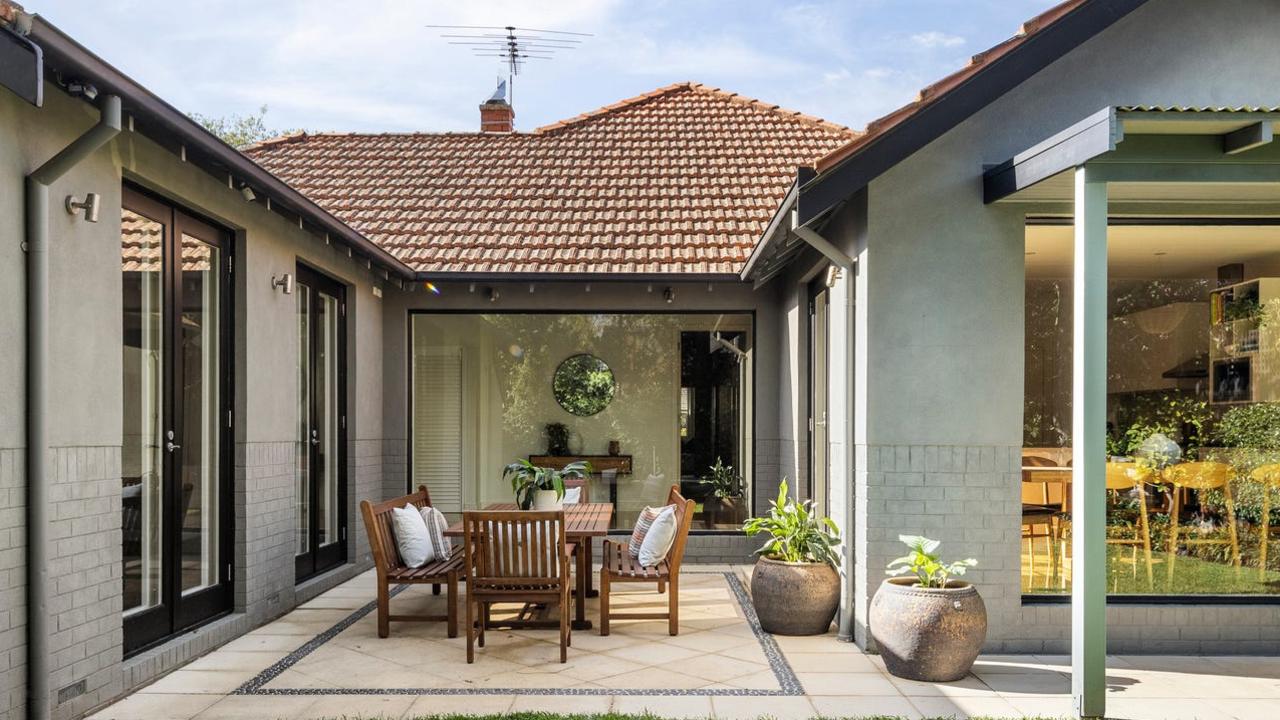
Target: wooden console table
599	463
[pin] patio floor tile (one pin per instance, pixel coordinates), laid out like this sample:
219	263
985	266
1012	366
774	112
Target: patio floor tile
259	707
157	706
837	706
571	704
675	707
750	708
1165	709
428	705
964	707
365	707
216	682
844	661
846	684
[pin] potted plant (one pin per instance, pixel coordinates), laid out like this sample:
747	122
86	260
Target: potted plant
726	491
795	587
557	439
541	488
927	625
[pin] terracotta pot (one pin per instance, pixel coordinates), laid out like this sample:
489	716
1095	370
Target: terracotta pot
928	634
546	500
795	598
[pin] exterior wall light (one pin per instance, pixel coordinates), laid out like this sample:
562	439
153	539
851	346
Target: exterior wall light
493	294
89	206
669	295
284	282
248	194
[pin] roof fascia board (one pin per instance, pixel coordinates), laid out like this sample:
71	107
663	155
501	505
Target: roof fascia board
949	110
158	118
780	220
1095	135
535	277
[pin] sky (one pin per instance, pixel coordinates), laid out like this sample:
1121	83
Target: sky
374	65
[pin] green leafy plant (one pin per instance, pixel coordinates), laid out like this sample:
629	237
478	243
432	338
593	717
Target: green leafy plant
725	482
923	562
526	478
797	533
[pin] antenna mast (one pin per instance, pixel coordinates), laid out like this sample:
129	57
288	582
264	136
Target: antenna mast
512	46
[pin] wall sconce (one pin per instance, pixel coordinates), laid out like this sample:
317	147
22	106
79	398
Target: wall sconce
89	206
833	276
284	282
493	294
669	295
247	193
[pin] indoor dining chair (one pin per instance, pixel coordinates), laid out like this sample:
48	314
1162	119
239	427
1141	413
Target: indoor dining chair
1200	476
1131	477
1269	477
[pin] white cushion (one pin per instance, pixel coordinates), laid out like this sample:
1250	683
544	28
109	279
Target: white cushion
411	535
657	542
439	546
572	496
643	522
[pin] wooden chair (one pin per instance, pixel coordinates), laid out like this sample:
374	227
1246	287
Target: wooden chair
1123	477
1038	511
1269	477
584	484
516	557
617	566
1201	476
392	570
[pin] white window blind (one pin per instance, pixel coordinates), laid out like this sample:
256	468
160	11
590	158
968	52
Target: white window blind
437	425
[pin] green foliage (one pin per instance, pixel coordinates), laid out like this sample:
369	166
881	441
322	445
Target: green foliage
526	478
923	562
240	130
1182	418
797	533
583	385
725	482
1256	427
1253	434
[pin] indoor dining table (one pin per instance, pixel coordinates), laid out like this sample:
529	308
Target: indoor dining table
583	522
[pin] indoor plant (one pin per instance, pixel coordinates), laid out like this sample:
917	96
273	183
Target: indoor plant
927	625
795	587
726	491
541	488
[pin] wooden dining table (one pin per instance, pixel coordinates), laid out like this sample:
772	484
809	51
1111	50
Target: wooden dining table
583	522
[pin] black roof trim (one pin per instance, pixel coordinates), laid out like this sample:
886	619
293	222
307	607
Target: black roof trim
936	118
171	128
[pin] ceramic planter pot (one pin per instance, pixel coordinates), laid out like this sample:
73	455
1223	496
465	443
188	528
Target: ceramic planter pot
928	634
546	500
795	598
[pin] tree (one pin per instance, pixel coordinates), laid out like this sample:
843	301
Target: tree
240	130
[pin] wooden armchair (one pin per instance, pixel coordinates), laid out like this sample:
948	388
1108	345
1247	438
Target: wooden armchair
515	557
617	566
392	570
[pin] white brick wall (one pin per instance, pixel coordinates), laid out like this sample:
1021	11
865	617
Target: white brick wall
13	599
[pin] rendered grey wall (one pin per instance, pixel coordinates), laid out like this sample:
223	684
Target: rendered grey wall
940	314
85	372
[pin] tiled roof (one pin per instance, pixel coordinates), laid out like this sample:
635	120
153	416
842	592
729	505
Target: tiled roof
680	180
932	93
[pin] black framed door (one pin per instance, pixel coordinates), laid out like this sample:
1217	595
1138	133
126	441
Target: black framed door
819	396
176	512
321	473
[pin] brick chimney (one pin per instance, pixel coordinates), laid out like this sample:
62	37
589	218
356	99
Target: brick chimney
496	114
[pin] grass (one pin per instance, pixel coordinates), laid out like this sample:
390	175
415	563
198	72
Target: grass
620	716
1192	576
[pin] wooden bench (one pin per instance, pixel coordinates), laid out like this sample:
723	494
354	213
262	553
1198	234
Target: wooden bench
617	566
392	570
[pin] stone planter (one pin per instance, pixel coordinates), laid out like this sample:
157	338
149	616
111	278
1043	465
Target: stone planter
795	598
546	500
928	634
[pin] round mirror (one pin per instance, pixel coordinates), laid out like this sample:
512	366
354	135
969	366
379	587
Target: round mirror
583	385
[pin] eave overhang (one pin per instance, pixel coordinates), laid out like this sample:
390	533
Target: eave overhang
172	129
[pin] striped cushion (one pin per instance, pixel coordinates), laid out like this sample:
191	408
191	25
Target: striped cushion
439	546
643	523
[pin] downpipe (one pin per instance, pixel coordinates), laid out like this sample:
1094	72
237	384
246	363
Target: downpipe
37	248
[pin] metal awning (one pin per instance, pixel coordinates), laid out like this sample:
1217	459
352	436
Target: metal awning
1152	154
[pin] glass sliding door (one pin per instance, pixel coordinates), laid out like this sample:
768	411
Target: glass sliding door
819	342
320	476
176	516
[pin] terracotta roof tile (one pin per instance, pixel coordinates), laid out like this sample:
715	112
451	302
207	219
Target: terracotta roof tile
681	179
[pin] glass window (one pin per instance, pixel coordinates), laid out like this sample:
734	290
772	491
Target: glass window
484	394
1193	409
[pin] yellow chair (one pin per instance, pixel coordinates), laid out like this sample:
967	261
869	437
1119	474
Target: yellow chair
1125	476
1201	476
1269	476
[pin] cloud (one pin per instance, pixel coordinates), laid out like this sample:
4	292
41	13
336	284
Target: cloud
934	39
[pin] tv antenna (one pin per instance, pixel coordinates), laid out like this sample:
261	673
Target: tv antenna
513	46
